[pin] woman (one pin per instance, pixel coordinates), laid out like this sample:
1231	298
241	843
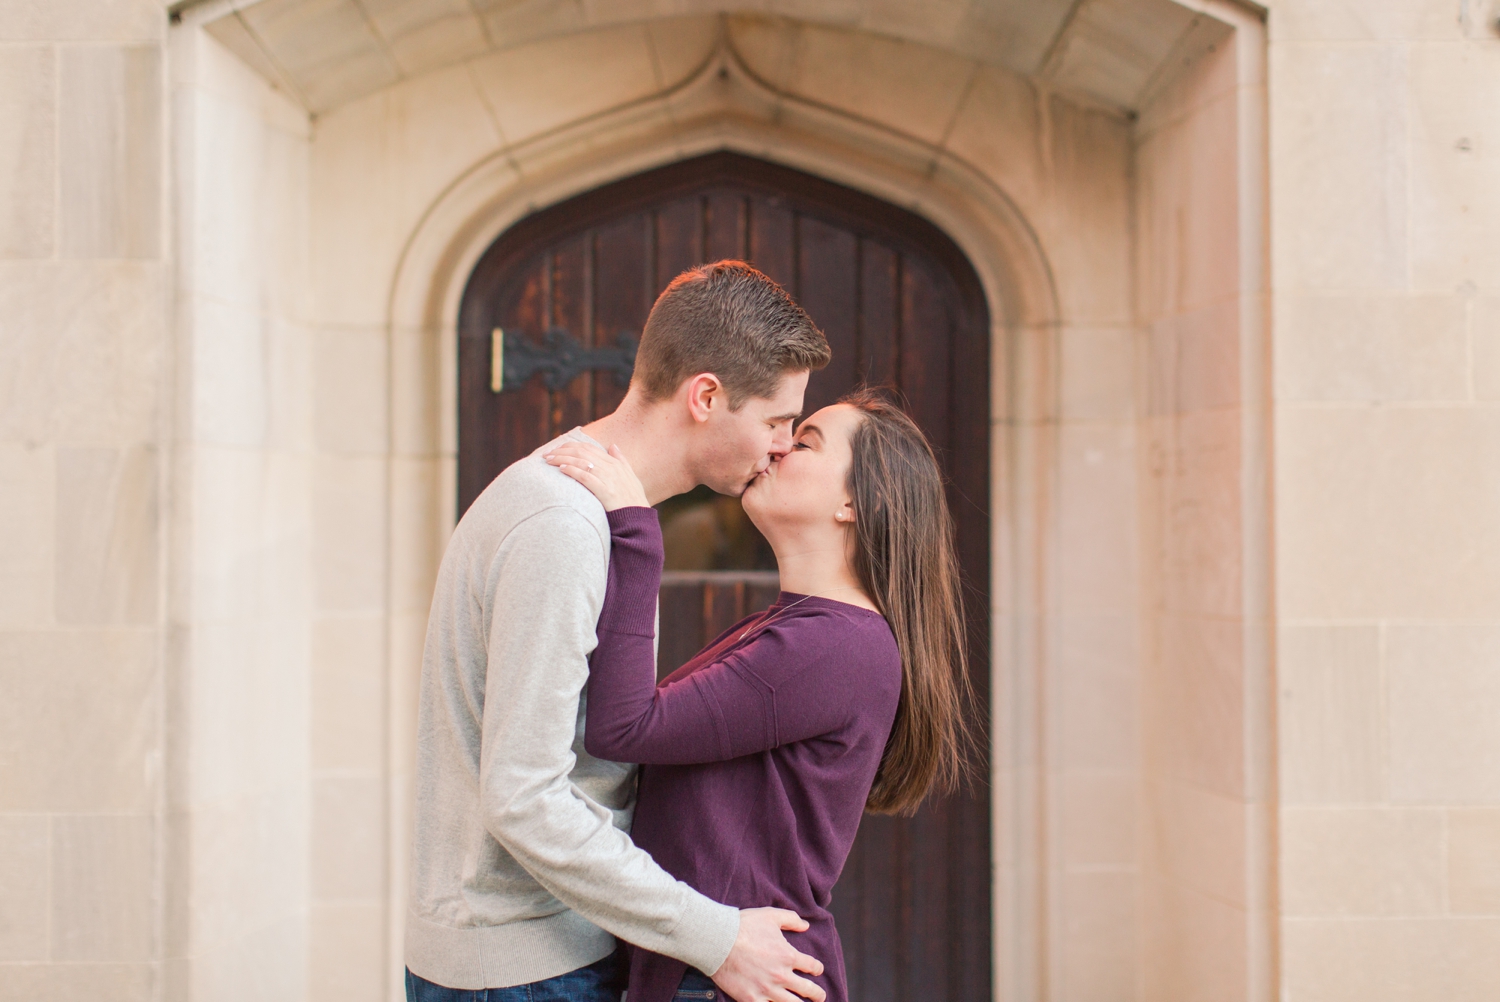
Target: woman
761	753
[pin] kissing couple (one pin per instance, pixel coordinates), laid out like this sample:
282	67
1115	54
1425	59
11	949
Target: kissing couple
580	828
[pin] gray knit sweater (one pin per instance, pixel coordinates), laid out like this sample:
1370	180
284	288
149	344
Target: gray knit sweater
522	866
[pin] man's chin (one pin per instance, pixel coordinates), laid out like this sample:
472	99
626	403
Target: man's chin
753	481
732	489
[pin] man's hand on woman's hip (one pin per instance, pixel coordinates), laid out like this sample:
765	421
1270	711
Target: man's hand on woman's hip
763	966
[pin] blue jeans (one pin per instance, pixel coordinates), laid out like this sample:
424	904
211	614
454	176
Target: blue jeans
598	982
699	987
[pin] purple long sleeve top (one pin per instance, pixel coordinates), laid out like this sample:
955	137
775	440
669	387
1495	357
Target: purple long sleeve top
758	754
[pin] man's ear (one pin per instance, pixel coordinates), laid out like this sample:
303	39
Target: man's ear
704	394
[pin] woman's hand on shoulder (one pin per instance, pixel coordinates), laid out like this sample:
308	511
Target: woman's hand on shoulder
607	474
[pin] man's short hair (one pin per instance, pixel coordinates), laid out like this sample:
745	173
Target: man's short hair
733	321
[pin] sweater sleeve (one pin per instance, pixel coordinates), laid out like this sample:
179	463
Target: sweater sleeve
544	595
788	684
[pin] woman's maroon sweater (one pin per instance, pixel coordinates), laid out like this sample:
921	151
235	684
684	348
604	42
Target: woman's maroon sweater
758	753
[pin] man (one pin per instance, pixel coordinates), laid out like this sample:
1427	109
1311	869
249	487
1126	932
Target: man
524	872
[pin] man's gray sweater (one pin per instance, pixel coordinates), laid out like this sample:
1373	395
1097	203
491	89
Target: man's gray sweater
522	865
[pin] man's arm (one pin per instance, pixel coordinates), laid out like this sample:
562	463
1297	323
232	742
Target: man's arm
542	595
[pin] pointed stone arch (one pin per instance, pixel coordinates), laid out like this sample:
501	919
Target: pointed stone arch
725	107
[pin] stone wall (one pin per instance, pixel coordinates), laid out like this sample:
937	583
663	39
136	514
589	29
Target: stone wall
85	357
1387	379
242	542
154	625
1205	594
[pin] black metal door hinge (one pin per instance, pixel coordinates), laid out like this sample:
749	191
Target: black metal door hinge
559	359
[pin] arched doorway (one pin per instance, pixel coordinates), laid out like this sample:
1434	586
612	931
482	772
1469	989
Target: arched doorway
902	306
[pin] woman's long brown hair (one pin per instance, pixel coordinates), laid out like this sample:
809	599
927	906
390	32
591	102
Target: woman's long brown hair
905	560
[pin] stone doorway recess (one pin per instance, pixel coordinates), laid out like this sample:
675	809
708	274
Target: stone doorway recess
902	307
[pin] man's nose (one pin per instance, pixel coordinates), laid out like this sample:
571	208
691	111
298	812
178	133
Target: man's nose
781	443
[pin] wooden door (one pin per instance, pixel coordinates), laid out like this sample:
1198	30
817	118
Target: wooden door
902	307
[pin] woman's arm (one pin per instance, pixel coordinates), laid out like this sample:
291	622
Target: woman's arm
622	669
629	719
790	683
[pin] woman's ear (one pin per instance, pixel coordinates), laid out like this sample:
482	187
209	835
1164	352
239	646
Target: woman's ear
845	513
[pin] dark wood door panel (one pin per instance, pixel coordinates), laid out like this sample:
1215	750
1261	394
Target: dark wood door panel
697	606
901	307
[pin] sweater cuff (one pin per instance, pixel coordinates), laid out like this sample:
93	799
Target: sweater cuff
632	518
708	931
